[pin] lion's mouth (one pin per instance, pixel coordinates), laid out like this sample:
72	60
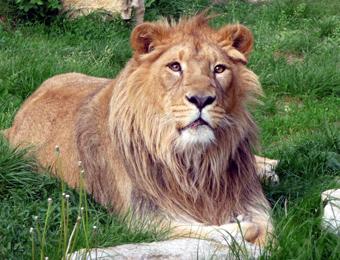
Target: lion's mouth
195	124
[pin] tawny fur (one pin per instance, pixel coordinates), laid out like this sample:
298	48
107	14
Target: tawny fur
126	131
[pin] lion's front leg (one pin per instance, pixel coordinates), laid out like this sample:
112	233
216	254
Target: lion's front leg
222	234
261	216
266	170
218	233
252	232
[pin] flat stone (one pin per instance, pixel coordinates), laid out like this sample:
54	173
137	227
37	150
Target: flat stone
331	212
185	248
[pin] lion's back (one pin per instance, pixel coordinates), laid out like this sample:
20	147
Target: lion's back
47	117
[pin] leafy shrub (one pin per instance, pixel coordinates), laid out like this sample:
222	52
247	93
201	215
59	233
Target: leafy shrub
43	10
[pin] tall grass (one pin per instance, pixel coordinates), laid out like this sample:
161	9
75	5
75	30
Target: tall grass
39	213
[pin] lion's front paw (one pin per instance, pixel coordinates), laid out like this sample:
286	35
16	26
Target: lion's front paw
270	176
266	170
235	232
261	238
264	235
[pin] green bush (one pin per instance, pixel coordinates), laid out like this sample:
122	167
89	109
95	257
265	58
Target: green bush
42	10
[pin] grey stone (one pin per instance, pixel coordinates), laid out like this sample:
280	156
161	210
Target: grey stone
124	7
185	248
331	212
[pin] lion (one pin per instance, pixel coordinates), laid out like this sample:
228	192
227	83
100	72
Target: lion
170	138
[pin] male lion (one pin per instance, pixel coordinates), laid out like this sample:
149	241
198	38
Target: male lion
169	138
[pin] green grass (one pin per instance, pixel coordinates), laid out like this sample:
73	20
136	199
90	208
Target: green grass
297	58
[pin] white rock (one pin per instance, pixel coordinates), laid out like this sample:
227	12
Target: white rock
331	213
124	7
185	248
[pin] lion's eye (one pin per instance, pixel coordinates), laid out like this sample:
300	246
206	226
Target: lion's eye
175	66
219	68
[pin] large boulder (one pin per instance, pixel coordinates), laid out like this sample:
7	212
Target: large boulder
331	212
185	248
122	7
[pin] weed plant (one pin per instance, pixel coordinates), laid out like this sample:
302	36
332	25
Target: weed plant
296	56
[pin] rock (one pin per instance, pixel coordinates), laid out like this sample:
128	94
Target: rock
256	1
249	1
123	7
331	212
185	248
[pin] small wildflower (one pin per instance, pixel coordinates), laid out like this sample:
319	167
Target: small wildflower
57	149
80	163
35	218
81	210
49	200
94	227
67	196
287	108
31	230
82	172
46	258
63	194
78	218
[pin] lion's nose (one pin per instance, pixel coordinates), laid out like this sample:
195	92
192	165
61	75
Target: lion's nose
201	101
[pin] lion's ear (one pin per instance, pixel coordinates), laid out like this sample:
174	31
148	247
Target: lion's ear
237	40
145	36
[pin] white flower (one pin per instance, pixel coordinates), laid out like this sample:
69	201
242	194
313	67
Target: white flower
287	108
49	200
31	230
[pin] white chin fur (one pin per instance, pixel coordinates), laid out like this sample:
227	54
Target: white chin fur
201	135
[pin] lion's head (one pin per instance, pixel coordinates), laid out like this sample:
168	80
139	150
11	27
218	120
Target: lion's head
192	77
179	112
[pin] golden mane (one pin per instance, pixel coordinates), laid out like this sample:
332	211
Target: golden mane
204	184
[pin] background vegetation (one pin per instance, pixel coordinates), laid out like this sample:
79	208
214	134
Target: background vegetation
297	58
